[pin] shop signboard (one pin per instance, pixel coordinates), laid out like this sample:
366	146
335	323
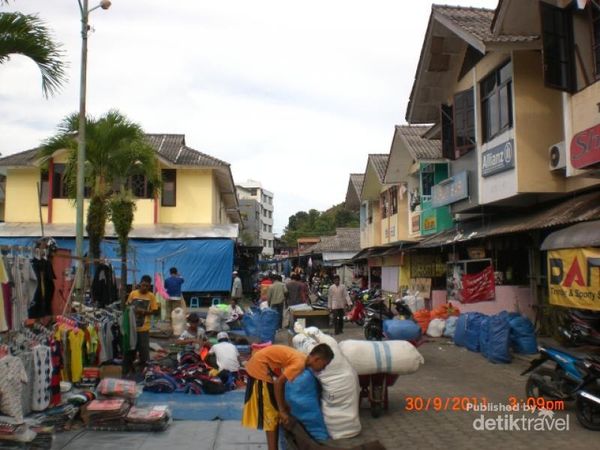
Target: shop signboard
450	190
585	148
429	221
498	159
574	277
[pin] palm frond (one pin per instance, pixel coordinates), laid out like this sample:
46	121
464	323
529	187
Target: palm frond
28	35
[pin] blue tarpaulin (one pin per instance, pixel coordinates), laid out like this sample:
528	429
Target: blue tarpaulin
205	264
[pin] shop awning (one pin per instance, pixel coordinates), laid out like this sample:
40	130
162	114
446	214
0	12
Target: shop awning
586	234
150	231
383	250
582	208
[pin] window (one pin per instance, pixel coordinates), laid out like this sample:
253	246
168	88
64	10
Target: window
496	102
394	200
59	182
464	123
427	180
257	215
44	187
270	228
264	242
596	35
253	192
169	187
140	187
384	202
264	227
270	214
447	131
557	40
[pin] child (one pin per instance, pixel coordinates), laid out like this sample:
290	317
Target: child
264	405
195	334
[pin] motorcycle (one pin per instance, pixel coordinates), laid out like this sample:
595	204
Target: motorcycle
562	382
587	404
581	327
375	313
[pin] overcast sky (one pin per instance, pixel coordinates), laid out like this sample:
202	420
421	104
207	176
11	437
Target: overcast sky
293	94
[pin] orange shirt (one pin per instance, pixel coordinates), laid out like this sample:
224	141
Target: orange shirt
276	357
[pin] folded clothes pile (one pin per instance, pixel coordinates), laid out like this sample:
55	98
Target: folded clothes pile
115	387
105	414
13	435
59	417
153	418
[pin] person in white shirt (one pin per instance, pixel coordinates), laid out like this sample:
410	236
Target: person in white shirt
235	315
194	334
337	300
226	354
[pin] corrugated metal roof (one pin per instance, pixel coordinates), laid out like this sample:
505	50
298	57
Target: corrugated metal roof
579	208
419	147
586	234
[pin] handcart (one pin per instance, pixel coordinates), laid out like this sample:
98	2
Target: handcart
374	387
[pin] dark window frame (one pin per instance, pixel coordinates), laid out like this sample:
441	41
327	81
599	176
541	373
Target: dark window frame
447	121
595	26
143	190
168	176
558	46
393	200
495	95
384	204
464	108
59	182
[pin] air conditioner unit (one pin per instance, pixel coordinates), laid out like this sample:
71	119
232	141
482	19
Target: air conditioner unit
557	156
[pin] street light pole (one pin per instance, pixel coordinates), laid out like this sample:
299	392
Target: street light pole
85	13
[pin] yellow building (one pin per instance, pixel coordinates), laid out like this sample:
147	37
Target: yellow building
197	201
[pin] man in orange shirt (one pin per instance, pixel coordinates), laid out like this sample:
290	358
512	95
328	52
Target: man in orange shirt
268	371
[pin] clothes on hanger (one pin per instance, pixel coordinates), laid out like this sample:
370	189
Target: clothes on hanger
104	286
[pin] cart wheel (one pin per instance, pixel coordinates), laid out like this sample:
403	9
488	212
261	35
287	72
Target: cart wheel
376	410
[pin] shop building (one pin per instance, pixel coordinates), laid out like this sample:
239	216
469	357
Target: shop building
192	223
253	190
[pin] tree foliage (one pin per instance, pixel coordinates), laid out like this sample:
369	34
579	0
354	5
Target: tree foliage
317	223
28	35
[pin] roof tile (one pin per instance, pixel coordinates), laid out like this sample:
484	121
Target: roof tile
419	147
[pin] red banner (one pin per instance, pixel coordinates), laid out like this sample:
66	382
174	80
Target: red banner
479	287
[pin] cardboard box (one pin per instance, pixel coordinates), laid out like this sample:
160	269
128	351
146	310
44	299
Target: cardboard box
111	371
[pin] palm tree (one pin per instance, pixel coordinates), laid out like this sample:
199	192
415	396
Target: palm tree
116	150
28	35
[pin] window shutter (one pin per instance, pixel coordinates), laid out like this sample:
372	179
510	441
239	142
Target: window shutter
558	47
447	131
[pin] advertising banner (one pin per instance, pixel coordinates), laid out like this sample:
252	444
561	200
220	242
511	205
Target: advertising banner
574	277
479	287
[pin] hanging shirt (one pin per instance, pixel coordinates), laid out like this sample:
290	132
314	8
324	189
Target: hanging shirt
42	374
11	385
145	302
76	338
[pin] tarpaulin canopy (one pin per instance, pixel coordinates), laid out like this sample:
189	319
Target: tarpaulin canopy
205	264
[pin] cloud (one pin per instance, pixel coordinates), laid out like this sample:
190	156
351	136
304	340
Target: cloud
294	94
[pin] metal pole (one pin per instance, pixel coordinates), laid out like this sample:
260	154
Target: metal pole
79	220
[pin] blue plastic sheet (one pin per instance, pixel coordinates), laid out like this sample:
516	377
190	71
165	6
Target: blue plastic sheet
401	330
450	326
498	350
484	337
302	394
206	264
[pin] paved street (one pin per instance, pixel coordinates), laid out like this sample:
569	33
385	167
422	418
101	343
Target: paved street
448	372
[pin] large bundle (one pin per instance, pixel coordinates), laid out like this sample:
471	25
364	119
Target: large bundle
341	393
401	330
436	327
468	329
522	335
498	350
422	317
484	337
216	319
369	357
450	328
261	323
302	395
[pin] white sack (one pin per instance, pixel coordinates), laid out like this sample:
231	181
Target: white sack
178	321
340	399
436	328
369	357
216	319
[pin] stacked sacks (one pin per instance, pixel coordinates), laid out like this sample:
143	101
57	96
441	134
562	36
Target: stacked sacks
341	392
498	351
484	336
302	395
401	330
522	336
370	357
468	328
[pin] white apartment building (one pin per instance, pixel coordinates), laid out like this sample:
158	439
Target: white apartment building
253	190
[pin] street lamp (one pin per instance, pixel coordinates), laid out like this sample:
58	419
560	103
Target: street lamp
85	13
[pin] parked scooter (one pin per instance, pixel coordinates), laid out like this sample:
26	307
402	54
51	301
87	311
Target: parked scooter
561	382
375	313
587	405
581	327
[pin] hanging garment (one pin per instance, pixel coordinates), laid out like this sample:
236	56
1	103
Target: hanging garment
76	341
104	286
42	374
12	378
4	302
56	355
26	394
42	300
117	341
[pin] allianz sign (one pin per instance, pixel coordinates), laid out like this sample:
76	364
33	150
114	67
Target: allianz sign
498	159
